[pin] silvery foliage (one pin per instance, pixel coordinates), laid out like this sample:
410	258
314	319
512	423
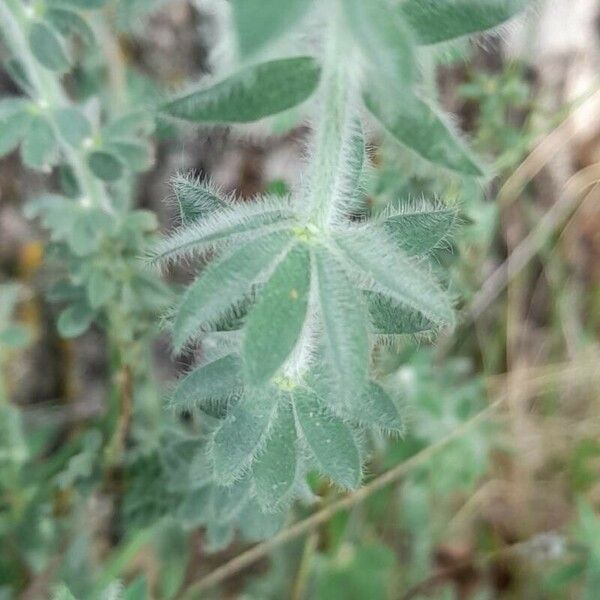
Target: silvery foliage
300	289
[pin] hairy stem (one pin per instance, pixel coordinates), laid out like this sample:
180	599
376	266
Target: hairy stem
49	95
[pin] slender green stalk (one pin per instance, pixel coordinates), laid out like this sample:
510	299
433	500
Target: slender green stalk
49	95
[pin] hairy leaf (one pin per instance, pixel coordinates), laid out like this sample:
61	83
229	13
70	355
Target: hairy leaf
390	318
224	283
330	441
243	433
274	471
256	92
47	47
276	321
343	319
439	20
209	385
259	22
237	222
414	123
418	228
395	274
384	38
196	198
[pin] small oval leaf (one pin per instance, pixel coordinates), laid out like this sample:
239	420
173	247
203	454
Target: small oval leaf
105	166
48	48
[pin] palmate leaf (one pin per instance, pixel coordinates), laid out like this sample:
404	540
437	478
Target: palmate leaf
256	92
415	124
394	274
440	20
384	37
209	386
223	284
196	198
330	441
343	319
419	227
237	222
259	22
275	323
274	471
243	434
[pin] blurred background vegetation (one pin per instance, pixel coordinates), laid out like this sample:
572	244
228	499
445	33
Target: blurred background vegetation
500	496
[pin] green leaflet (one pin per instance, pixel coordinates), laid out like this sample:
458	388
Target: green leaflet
105	165
207	386
243	433
395	274
228	501
330	441
196	198
391	318
369	407
259	22
343	319
15	120
420	228
48	48
101	288
237	222
414	123
439	20
70	23
72	125
274	471
384	38
224	283
276	321
39	149
256	92
135	155
75	320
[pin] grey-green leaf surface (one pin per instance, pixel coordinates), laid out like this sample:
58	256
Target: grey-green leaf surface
196	198
274	471
79	4
15	121
105	165
243	434
134	154
39	149
275	323
390	318
251	94
418	228
73	125
343	319
75	320
415	124
395	274
440	20
239	221
384	38
330	440
259	22
209	385
48	48
69	23
223	284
